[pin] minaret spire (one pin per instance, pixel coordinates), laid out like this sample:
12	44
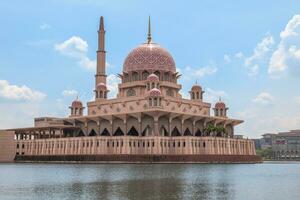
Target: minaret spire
149	31
101	58
101	23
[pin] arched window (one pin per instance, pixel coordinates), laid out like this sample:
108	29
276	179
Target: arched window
166	76
193	95
126	78
153	85
197	94
150	101
135	76
101	94
159	101
157	74
145	74
96	94
155	102
170	93
130	92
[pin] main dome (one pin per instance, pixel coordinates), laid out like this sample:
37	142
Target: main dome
149	57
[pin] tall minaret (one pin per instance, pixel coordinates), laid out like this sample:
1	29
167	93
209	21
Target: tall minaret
100	83
101	54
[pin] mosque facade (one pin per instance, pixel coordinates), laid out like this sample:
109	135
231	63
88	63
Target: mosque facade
148	121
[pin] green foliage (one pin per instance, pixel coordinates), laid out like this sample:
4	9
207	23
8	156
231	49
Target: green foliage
265	153
211	130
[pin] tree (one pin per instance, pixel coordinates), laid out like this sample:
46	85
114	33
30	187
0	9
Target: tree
211	130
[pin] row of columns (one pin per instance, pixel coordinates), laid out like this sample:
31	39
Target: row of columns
129	145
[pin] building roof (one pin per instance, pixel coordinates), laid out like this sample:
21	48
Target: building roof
152	77
101	86
155	92
149	57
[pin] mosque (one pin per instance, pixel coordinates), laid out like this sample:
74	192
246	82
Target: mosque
148	121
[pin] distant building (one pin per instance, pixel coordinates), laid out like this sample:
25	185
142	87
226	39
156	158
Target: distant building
286	145
257	143
266	141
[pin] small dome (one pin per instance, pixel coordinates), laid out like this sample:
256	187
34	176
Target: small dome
150	57
152	78
196	87
101	86
220	105
77	104
155	92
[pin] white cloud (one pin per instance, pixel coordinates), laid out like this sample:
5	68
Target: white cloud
190	73
297	99
45	26
264	98
259	54
76	47
286	58
239	55
112	84
15	92
262	119
227	58
213	96
68	93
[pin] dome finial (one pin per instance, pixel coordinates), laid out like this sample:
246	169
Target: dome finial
149	31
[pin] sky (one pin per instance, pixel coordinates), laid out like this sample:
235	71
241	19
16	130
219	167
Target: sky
247	53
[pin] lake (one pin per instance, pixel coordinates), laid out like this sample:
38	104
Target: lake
150	181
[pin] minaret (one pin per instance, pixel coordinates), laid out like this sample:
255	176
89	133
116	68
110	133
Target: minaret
101	55
100	83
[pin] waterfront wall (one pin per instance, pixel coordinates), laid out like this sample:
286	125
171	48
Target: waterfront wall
130	145
7	146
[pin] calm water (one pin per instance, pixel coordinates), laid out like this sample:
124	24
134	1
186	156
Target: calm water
159	181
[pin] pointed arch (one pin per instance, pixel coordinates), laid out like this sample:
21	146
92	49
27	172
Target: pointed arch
145	74
147	131
175	132
118	132
133	132
187	132
157	73
135	76
92	133
105	132
163	131
198	132
80	134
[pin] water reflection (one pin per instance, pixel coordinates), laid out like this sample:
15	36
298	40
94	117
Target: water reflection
29	181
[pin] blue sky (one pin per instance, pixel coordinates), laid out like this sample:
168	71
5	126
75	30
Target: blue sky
246	52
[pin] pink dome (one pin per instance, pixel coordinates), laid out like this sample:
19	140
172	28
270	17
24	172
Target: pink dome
77	104
220	105
196	87
149	57
152	77
101	86
155	92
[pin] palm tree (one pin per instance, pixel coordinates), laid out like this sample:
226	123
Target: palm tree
211	130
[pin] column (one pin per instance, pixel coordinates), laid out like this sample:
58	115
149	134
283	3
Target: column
156	131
